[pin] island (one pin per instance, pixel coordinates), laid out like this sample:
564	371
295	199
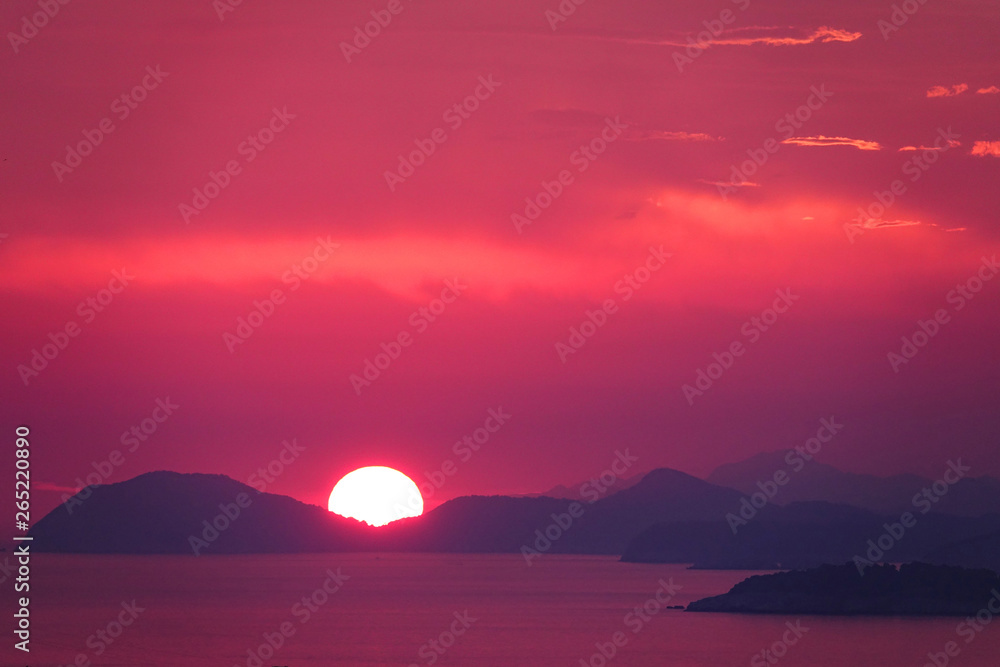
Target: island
913	589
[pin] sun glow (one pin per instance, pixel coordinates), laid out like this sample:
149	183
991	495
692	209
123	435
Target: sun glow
376	495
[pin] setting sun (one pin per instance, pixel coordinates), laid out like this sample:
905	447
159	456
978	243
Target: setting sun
376	495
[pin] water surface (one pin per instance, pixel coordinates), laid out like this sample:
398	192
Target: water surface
212	610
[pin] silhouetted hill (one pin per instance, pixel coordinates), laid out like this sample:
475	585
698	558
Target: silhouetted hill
474	524
159	512
604	526
668	516
976	552
661	495
573	491
913	589
816	481
972	496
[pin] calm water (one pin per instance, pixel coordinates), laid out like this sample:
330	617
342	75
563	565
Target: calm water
211	610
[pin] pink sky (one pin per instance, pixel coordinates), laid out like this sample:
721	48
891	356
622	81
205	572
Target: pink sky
670	138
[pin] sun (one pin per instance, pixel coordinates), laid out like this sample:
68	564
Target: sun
376	495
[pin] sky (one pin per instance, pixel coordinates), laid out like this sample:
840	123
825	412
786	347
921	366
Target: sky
592	205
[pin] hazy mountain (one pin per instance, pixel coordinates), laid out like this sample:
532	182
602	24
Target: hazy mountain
802	535
161	512
474	524
607	519
661	495
574	491
667	516
818	481
976	552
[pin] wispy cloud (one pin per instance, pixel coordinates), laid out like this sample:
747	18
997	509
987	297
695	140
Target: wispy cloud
879	223
821	140
986	148
821	35
729	184
49	486
951	144
747	36
945	91
666	135
575	119
992	90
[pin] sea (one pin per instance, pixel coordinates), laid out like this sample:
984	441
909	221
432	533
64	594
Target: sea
319	610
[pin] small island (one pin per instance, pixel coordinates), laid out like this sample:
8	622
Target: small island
914	589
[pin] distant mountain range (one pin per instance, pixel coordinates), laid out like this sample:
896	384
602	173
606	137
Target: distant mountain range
815	481
576	491
167	512
982	551
805	535
662	516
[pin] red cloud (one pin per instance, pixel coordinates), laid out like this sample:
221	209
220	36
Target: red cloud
951	144
943	91
665	135
822	35
58	488
821	140
986	148
738	37
873	223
